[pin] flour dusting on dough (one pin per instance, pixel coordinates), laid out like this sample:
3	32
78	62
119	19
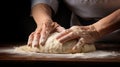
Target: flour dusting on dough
54	46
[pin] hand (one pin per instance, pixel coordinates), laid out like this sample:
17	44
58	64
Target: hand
88	34
40	35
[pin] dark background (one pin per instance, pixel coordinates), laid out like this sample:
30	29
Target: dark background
16	23
15	14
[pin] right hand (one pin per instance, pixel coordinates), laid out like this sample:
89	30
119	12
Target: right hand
87	33
40	35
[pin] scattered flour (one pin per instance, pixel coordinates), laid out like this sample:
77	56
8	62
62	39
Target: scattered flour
95	54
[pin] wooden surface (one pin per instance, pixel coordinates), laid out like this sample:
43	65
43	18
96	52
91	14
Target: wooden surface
17	57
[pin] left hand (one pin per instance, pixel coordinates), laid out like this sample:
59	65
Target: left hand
40	35
86	33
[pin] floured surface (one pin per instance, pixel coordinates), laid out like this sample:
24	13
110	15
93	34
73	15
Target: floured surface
95	54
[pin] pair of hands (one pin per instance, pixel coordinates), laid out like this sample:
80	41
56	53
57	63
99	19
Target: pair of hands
88	34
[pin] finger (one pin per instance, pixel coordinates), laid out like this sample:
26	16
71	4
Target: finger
79	44
60	29
35	42
44	34
62	34
67	37
30	39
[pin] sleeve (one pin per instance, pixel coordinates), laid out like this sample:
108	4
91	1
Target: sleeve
52	3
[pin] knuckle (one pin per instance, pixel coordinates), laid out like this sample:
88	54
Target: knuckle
37	33
74	27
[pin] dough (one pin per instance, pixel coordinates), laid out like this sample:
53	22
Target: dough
54	46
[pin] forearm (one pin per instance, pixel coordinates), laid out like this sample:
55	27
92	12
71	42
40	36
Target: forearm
108	24
41	12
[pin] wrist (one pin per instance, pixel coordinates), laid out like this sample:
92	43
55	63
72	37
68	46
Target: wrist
44	20
98	28
94	33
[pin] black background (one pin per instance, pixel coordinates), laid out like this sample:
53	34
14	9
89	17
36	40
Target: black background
14	15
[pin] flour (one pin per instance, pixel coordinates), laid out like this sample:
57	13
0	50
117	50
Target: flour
94	54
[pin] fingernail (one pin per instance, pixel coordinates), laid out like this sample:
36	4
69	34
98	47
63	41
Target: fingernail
42	41
34	43
29	44
74	48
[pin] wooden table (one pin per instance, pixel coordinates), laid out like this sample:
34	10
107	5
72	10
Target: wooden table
9	58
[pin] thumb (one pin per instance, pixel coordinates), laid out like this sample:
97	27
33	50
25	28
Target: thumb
60	29
79	45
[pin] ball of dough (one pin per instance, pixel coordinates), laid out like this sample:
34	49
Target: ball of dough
54	46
